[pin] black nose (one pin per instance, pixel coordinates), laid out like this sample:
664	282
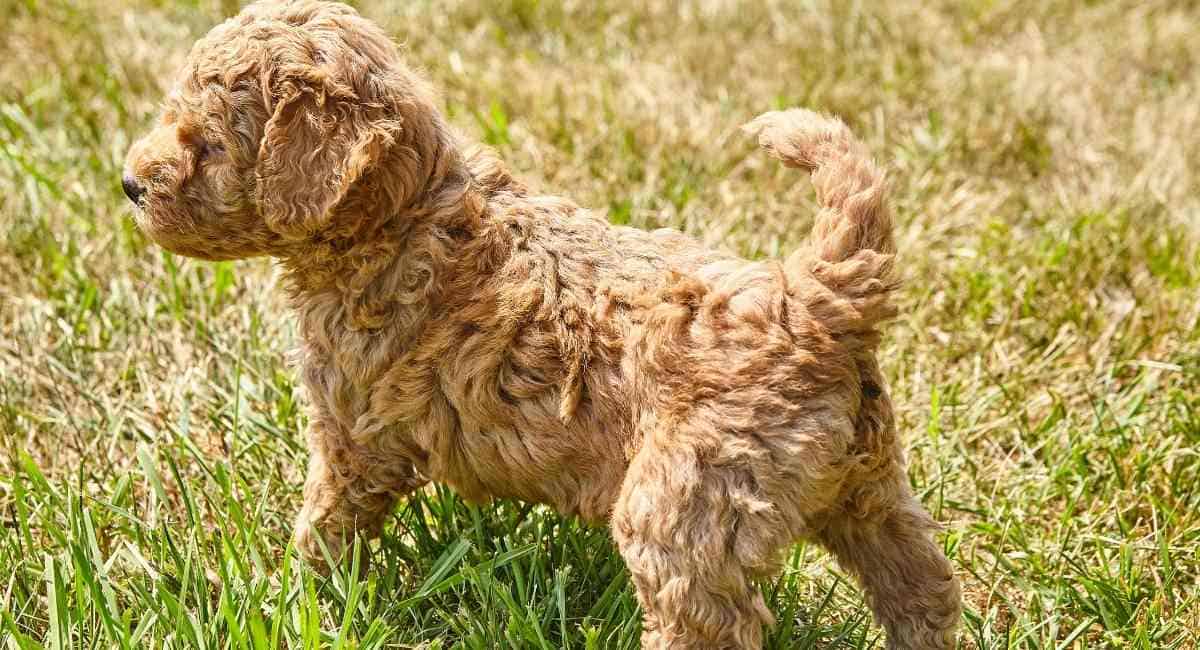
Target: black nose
132	189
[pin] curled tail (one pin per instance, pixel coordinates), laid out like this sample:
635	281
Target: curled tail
849	255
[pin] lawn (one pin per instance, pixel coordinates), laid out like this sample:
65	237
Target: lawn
1045	365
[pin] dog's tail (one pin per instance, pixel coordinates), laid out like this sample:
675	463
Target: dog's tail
844	274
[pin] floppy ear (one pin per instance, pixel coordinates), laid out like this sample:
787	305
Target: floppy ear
321	138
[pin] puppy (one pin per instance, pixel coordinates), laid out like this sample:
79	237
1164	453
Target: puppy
457	327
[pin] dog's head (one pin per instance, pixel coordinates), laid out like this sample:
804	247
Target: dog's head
291	122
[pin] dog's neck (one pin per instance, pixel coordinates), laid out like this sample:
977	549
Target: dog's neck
381	283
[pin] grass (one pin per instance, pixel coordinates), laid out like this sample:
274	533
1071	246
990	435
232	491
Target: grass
1046	366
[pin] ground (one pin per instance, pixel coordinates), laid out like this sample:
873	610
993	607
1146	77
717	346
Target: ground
1045	366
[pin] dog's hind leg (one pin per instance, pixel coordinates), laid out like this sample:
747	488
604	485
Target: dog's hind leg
694	535
910	584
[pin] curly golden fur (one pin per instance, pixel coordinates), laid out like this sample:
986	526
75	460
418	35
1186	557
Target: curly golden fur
458	328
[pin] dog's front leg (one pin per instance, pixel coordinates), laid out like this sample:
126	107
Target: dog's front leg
348	492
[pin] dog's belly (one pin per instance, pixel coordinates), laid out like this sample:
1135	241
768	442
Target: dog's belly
555	465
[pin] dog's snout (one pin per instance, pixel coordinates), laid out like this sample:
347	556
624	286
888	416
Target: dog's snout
132	189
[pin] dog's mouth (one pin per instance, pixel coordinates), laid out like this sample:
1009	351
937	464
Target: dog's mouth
154	224
166	224
139	213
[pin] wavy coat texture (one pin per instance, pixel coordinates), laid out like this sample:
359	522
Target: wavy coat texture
456	327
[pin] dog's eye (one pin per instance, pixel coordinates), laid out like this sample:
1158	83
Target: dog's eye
207	148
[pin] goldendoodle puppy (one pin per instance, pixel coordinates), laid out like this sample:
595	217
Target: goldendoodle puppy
458	328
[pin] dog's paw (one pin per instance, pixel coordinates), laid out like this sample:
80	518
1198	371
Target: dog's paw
319	549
